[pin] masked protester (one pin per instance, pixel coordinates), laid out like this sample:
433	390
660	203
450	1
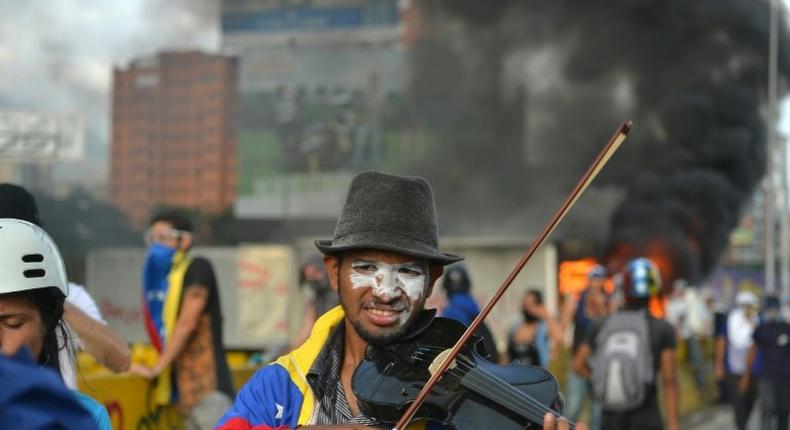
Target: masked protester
772	341
528	342
33	290
317	294
315	285
184	323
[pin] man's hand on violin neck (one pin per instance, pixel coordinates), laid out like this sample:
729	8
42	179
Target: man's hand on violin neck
551	423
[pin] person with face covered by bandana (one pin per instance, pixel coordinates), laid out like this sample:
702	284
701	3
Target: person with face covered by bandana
317	294
772	340
184	323
528	343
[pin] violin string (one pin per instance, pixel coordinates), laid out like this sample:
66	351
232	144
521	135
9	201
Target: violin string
493	379
489	382
513	399
503	387
511	391
523	401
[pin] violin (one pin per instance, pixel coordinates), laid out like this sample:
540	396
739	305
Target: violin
473	394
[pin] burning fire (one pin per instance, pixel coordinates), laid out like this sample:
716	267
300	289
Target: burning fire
573	276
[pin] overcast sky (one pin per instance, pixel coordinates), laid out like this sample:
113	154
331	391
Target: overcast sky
58	55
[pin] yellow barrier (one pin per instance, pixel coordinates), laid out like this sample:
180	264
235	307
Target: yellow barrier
128	398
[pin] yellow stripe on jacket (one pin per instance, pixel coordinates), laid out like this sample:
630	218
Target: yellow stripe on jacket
299	361
175	284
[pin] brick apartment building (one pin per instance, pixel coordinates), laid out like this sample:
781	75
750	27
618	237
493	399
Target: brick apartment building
174	134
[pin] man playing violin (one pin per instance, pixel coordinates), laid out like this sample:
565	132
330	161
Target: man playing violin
383	261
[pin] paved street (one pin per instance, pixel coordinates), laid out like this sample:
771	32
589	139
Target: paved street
718	418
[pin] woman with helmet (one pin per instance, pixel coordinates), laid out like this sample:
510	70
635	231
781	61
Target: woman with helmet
628	352
33	289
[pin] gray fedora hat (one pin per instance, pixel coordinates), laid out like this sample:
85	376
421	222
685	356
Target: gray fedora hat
391	213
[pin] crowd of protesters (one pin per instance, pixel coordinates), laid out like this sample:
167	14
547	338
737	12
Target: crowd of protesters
741	355
369	285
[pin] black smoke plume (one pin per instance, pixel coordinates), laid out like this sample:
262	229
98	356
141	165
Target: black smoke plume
522	94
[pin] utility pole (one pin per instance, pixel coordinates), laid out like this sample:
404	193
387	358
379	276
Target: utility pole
770	195
784	223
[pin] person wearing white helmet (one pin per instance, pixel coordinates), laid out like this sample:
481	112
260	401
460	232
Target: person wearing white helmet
732	346
85	326
33	290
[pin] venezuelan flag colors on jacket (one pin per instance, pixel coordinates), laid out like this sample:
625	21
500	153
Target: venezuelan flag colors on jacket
278	396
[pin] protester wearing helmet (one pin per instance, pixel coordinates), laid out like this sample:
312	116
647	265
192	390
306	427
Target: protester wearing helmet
651	352
33	289
733	341
462	307
641	281
85	325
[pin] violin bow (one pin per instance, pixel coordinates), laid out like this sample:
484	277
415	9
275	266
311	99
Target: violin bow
600	161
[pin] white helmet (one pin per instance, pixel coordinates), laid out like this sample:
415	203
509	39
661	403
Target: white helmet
29	259
745	298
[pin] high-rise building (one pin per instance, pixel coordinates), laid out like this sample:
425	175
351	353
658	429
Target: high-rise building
174	134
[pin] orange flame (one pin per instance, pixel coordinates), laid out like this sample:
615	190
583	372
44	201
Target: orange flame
573	276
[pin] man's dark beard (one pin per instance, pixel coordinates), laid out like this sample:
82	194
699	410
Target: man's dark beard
370	337
383	340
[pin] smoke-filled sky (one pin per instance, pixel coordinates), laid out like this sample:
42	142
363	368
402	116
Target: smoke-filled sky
58	55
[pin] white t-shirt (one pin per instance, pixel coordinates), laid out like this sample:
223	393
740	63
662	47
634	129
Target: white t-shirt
739	339
79	298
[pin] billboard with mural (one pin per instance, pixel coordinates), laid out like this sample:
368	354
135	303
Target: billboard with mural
321	86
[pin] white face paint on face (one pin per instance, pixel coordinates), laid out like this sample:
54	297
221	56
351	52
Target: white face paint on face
389	281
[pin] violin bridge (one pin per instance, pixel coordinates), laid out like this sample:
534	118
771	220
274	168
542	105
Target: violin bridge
437	362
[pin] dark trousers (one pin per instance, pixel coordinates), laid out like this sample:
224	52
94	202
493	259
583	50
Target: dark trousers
696	361
775	401
742	403
646	417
